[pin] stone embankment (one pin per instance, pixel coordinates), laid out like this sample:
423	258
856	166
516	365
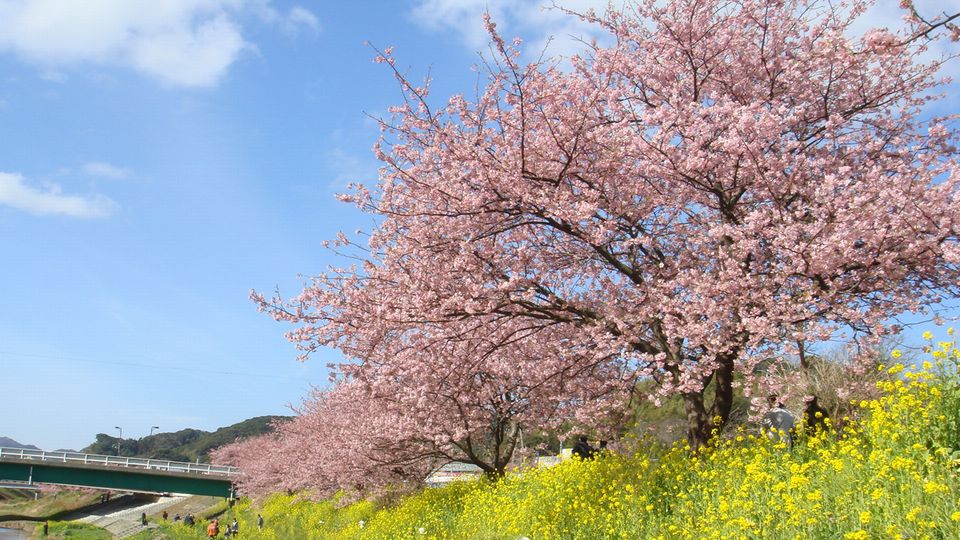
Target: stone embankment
124	521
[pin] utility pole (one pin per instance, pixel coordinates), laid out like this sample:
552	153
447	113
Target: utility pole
120	439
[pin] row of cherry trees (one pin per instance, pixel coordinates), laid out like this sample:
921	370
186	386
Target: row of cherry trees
389	422
722	181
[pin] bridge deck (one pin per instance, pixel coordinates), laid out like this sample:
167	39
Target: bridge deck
154	465
112	472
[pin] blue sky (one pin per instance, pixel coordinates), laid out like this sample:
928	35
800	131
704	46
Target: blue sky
160	159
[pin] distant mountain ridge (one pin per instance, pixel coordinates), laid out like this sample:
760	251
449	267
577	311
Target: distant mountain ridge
183	445
7	442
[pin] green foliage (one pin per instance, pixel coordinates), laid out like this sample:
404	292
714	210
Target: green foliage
183	445
945	365
177	531
887	475
76	531
667	423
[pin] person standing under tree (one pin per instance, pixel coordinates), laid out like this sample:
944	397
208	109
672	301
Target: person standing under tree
582	449
779	423
814	415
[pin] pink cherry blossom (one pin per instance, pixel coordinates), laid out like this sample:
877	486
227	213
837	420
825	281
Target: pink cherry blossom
724	180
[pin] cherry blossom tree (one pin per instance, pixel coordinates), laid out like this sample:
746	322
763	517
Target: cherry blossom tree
397	416
340	441
266	464
725	179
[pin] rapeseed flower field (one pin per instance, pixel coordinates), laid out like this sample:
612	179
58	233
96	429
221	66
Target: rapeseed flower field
890	473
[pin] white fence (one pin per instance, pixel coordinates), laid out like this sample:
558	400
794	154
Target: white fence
117	461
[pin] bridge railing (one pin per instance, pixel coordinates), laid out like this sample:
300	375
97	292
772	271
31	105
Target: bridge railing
118	461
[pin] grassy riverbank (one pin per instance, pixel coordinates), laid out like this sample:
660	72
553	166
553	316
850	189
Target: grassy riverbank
890	474
20	504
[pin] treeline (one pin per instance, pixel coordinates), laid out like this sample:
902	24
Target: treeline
183	445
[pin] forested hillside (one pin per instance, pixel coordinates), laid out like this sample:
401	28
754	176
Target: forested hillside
183	445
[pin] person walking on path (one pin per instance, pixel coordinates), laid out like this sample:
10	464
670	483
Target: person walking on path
259	522
213	530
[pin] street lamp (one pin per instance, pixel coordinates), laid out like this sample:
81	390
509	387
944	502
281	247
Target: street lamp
120	439
153	428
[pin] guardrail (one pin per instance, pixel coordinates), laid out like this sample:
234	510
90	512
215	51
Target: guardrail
118	461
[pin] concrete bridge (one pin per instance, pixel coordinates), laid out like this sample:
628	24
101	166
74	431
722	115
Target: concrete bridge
114	472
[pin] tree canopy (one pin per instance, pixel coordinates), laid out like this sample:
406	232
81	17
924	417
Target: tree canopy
724	180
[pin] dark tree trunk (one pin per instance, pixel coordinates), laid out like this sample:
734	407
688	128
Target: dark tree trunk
698	421
723	391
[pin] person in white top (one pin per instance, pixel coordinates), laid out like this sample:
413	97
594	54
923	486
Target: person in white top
779	423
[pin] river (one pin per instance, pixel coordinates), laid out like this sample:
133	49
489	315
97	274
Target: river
12	534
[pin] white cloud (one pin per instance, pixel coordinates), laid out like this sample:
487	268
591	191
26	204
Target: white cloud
189	57
300	16
16	193
290	24
179	42
537	20
463	16
106	170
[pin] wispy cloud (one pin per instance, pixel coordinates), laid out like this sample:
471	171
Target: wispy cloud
187	43
348	168
300	16
106	170
538	20
16	193
297	18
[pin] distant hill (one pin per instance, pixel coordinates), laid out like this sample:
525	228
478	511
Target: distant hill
183	445
7	442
